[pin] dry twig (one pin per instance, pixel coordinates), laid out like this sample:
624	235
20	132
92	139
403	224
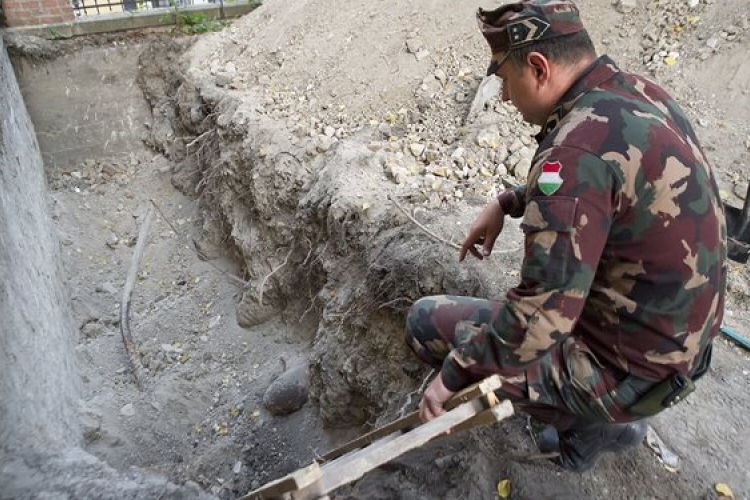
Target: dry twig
127	338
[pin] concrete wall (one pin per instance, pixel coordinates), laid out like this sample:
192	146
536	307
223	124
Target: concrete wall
39	386
85	105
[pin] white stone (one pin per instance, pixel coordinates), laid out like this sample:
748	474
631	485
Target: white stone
422	54
522	168
414	45
112	240
626	6
416	149
325	143
489	137
128	410
515	146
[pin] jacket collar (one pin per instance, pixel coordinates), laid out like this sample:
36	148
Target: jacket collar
597	73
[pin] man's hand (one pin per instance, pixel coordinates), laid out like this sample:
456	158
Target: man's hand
433	398
484	231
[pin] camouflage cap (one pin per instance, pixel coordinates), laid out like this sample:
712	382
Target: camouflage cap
521	23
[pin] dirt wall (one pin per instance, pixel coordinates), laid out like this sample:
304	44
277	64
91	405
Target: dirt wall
40	387
84	102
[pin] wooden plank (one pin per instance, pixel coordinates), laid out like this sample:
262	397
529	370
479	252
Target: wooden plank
354	466
407	422
297	480
485	387
489	416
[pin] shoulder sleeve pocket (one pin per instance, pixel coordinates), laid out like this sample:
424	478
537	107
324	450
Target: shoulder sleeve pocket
548	226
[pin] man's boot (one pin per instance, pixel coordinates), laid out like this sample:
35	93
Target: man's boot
581	447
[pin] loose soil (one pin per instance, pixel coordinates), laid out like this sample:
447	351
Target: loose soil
274	148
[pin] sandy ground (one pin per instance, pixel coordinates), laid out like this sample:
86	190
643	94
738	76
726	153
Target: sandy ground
201	416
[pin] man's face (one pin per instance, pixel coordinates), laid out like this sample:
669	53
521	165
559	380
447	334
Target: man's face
522	89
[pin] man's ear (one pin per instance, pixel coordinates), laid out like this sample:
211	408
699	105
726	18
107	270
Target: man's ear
540	67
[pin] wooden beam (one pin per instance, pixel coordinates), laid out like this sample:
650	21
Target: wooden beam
297	480
487	417
483	388
354	466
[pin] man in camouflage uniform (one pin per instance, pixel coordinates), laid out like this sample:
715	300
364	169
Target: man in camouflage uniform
622	284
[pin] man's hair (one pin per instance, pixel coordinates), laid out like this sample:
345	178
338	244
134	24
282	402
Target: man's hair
566	49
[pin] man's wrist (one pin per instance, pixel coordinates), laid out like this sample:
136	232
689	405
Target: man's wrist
512	201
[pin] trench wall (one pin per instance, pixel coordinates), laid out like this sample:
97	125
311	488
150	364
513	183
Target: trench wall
39	386
85	104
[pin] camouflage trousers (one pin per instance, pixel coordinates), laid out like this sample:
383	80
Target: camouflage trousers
566	387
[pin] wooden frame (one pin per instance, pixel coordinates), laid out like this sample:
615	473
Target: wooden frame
474	406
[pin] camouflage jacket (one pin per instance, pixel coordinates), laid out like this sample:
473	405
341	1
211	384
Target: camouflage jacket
625	240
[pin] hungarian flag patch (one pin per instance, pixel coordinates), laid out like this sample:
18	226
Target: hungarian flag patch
550	181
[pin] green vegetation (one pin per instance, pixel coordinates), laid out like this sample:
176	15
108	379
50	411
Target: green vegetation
193	22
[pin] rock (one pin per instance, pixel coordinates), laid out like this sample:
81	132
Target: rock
414	45
458	153
223	78
693	3
288	392
324	143
626	6
112	240
431	155
500	154
91	424
107	287
385	129
515	145
237	467
397	172
128	410
416	149
489	137
170	349
488	89
92	330
713	42
521	170
109	170
422	54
